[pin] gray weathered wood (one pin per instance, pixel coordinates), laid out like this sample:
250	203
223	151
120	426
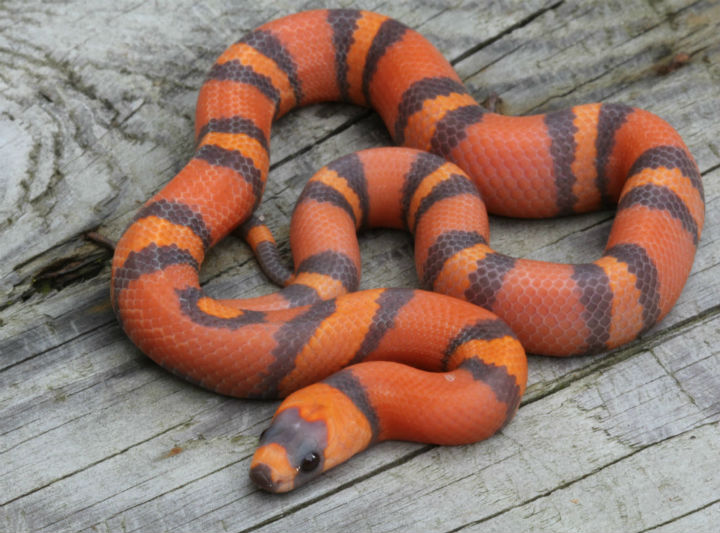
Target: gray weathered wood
96	105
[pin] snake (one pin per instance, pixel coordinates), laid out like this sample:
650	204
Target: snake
444	363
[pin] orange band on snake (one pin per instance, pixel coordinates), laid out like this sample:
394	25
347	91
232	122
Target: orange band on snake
423	366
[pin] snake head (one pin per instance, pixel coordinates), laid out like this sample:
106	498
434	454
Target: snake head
313	430
291	452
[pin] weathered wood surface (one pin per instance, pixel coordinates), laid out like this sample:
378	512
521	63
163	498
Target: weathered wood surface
96	104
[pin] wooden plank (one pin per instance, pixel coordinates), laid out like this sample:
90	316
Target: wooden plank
647	488
110	128
96	114
626	448
702	520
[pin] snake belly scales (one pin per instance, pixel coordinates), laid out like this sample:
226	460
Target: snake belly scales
356	368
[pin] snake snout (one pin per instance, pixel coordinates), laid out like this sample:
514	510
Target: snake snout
262	477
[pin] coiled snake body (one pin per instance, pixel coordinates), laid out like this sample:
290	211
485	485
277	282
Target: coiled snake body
467	367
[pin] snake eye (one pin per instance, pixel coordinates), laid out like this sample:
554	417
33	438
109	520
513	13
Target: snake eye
310	462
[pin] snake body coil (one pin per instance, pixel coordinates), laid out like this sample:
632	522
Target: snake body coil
468	368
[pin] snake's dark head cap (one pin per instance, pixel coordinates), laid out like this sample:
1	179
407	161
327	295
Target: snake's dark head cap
291	452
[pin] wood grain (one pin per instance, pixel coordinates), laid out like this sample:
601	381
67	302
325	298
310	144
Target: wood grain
96	107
